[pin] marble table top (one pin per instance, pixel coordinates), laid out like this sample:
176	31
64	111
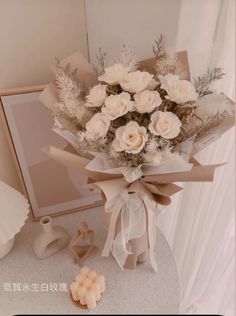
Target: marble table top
30	285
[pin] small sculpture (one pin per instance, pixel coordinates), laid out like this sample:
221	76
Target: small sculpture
77	247
87	288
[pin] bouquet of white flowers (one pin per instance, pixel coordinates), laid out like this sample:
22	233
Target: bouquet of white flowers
135	127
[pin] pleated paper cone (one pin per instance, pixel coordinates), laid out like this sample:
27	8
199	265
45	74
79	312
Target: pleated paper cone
14	209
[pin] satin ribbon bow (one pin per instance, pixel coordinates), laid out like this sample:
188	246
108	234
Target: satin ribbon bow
134	211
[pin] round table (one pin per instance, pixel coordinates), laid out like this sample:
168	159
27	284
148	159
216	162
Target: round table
139	291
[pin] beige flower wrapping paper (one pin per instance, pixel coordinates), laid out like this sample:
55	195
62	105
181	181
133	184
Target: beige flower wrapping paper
132	199
133	194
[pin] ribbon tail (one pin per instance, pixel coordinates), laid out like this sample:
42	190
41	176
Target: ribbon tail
112	229
151	231
133	219
119	247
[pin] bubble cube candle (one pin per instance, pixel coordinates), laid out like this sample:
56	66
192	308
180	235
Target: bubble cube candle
87	288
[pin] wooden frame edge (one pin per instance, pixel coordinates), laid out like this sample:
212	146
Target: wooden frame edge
21	90
7	133
71	211
6	129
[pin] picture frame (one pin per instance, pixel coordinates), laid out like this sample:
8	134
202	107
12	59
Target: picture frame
51	189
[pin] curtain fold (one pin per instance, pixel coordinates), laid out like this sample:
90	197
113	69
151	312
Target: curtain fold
200	223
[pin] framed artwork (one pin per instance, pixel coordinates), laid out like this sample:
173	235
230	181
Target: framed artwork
51	188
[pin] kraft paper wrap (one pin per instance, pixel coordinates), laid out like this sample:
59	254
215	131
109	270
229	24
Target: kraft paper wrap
132	197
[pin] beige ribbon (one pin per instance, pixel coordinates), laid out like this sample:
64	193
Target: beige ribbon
132	212
135	209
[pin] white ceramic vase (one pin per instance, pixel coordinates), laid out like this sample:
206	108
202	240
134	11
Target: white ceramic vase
51	239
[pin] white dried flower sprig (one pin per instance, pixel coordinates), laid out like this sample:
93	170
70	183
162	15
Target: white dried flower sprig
101	61
170	64
159	48
202	83
67	85
167	62
128	58
70	105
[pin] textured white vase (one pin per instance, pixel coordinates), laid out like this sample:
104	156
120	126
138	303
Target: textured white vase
51	239
6	247
14	209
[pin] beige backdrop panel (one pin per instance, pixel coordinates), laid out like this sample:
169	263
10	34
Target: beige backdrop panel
32	33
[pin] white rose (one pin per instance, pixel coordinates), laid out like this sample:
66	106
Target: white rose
165	124
137	81
117	105
96	96
179	91
97	127
146	101
130	138
114	74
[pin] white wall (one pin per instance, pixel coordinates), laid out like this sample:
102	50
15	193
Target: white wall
32	33
137	23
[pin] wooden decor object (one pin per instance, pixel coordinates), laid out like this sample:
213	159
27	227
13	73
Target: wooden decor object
82	243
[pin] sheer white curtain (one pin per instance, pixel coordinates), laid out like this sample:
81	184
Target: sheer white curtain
200	222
